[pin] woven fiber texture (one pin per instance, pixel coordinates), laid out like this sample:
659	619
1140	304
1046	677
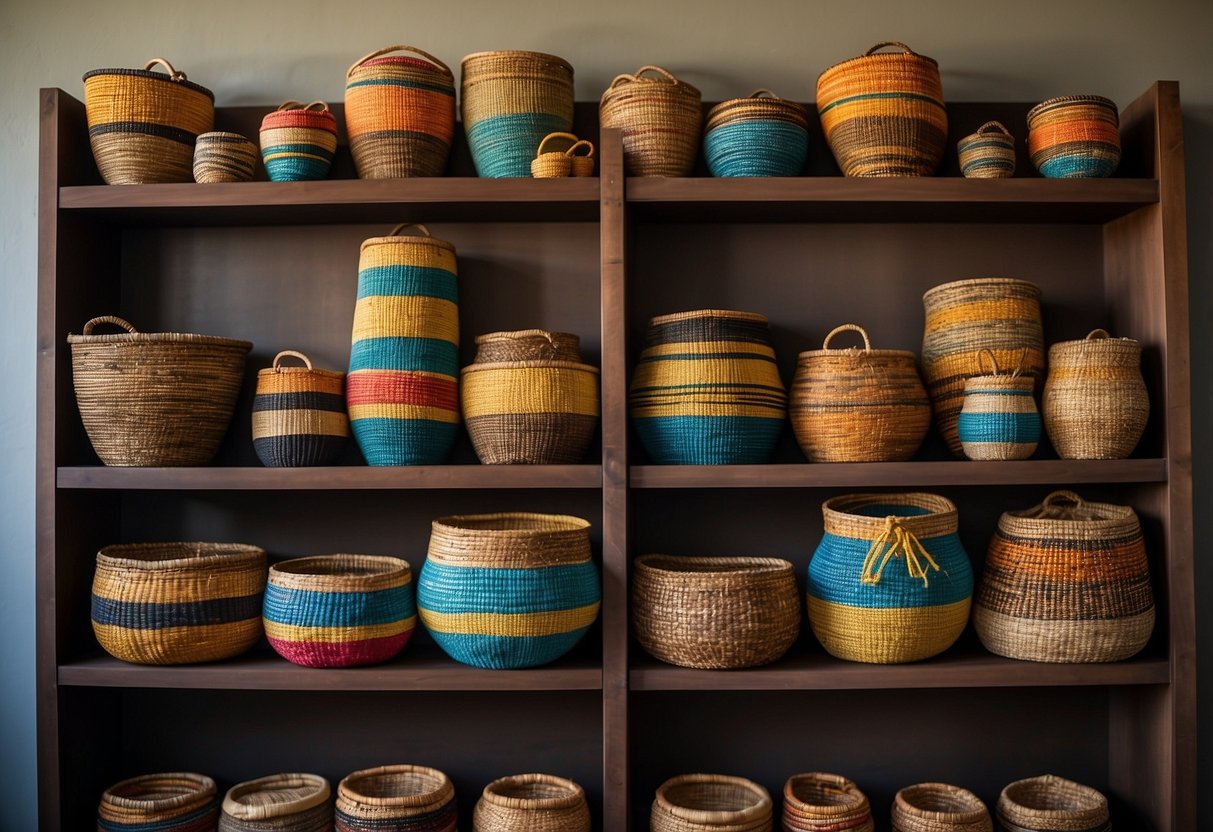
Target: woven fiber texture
403	387
821	802
581	158
707	391
339	610
299	414
399	114
963	318
155	399
763	135
279	803
1051	804
1074	137
883	113
298	141
999	419
142	124
508	590
400	798
858	405
890	581
551	159
511	100
1066	581
527	345
660	117
532	803
177	603
711	803
726	612
938	807
224	157
988	153
173	802
1095	401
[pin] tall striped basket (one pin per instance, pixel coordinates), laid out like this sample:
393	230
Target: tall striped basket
173	802
890	581
299	414
660	118
999	419
403	386
399	798
763	135
707	391
298	141
279	803
508	590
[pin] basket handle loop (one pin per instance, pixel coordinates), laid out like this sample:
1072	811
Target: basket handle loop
895	540
1062	496
425	231
581	144
1097	335
292	104
109	319
399	48
669	76
291	354
981	361
886	43
299	105
549	136
172	73
993	127
764	93
867	345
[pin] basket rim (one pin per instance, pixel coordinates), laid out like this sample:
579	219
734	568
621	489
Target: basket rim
304	572
457	523
878	56
531	364
851	797
320	115
234	553
319	793
147	73
1122	343
160	338
444	790
277	371
1097	100
747	565
940	510
983	281
511	334
406	239
763	806
902	800
205	789
415	61
692	314
1094	801
516	53
575	796
1112	514
857	352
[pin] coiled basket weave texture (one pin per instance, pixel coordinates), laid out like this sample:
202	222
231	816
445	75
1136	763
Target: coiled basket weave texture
224	157
763	135
724	612
298	141
171	802
1074	137
821	802
938	807
660	119
155	398
1066	581
399	798
339	610
177	603
707	391
988	153
532	803
890	581
279	803
403	387
999	419
142	125
508	590
299	414
707	802
1051	804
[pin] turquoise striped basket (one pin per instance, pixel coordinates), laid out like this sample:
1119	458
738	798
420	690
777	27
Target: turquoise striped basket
298	141
999	419
763	135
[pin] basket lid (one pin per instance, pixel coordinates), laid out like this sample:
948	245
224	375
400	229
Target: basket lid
276	367
173	76
132	336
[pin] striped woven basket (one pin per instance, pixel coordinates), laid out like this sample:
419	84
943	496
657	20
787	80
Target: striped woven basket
532	803
400	798
142	125
1051	804
224	157
999	419
660	118
763	135
965	317
173	802
707	391
299	414
511	100
508	590
298	141
1095	401
279	803
1066	581
403	386
858	405
939	807
711	803
890	581
399	114
1074	137
883	113
339	610
821	802
988	153
177	603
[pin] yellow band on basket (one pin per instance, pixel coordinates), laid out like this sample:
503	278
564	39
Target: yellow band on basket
403	411
984	311
299	423
529	390
205	642
511	624
707	348
407	251
409	316
883	636
337	635
278	136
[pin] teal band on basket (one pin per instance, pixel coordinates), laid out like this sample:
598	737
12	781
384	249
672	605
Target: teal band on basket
421	441
402	280
508	590
507	652
430	355
756	148
296	162
836	579
503	146
1079	165
709	440
307	608
1018	428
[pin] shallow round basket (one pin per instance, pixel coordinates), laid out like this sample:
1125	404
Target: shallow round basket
695	802
821	802
286	802
939	807
1052	804
173	802
532	803
400	798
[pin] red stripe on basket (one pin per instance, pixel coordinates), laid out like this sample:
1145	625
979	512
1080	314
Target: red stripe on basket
344	654
401	387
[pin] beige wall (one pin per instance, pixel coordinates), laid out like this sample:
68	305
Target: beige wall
254	52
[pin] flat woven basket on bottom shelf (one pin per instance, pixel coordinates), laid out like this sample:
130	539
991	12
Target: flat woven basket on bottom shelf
821	802
939	807
711	803
399	798
279	803
172	802
1051	804
532	803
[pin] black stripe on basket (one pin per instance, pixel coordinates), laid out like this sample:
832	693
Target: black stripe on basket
331	402
152	76
159	130
140	615
709	329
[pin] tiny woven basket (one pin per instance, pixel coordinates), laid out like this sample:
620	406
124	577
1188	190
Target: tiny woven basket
820	802
173	802
1051	804
177	603
299	414
1074	137
999	419
400	798
142	125
938	807
532	803
711	802
339	610
660	118
719	613
527	345
224	157
553	164
279	803
987	154
298	141
763	135
581	164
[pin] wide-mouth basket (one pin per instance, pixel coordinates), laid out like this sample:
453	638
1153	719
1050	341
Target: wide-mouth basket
276	796
1052	804
527	345
818	798
936	807
158	798
944	293
866	516
171	558
340	573
510	539
394	791
711	801
1065	511
534	793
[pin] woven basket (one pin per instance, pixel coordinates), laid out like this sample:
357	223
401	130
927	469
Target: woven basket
1074	137
711	803
299	414
399	114
763	135
142	124
1066	581
717	613
532	803
508	590
155	399
581	164
177	603
339	610
858	405
400	798
963	318
999	419
938	807
527	345
883	113
660	118
510	101
224	157
553	164
403	386
1095	401
174	802
820	802
890	581
707	391
298	141
279	803
987	154
1051	804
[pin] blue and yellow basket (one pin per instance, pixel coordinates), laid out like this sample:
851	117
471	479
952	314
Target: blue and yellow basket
999	419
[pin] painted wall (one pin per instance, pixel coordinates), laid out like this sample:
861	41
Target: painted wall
263	53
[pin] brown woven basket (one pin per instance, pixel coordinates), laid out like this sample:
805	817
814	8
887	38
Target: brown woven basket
820	802
938	807
159	800
224	157
396	797
286	802
660	118
527	345
581	164
532	803
1052	804
711	803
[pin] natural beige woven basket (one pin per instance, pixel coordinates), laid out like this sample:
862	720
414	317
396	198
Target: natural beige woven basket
1052	804
532	803
938	807
660	118
711	803
279	803
821	802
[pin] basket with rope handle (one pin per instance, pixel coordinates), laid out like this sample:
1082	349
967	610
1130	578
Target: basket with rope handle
582	164
299	414
553	164
999	419
660	118
298	141
987	153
